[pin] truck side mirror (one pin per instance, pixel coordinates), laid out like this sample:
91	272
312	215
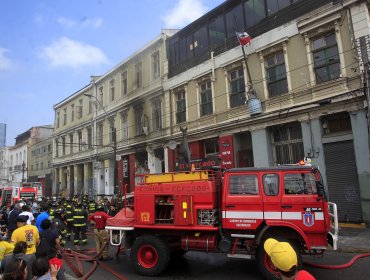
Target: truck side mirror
320	189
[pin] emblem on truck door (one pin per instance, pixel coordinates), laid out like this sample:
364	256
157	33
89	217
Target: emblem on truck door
308	218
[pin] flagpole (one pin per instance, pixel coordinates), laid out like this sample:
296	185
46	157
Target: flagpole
251	92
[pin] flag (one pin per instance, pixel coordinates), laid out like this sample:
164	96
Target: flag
244	38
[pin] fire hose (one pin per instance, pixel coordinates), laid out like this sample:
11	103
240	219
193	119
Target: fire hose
73	257
339	266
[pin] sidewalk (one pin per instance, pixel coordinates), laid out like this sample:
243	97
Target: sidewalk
354	240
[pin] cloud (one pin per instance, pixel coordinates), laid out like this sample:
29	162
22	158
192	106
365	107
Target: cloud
5	63
84	22
184	12
65	52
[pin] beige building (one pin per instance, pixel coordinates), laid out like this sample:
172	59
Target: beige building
40	156
96	127
298	93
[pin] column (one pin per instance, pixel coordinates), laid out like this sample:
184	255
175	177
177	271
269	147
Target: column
56	181
166	165
88	180
62	180
312	145
361	147
262	152
78	178
109	176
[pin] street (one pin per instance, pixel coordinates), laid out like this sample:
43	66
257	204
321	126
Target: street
199	265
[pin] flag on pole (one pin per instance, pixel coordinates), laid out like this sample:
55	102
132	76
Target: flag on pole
244	38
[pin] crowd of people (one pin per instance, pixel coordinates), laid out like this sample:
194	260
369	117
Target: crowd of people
33	231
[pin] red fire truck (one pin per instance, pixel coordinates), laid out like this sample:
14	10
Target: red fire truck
28	190
231	212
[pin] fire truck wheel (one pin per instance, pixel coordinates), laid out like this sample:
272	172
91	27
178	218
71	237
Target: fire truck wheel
265	265
150	255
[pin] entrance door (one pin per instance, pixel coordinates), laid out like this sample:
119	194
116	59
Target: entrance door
343	186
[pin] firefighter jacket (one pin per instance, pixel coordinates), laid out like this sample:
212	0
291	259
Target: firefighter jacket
92	207
51	213
79	217
69	210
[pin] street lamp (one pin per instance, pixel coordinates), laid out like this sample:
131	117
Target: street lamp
114	140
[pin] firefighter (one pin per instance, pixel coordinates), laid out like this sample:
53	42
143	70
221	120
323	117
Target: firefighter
52	210
99	219
85	199
58	224
92	206
79	224
69	218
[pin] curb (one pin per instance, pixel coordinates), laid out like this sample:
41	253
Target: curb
351	225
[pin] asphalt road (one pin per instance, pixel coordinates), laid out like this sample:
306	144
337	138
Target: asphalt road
212	266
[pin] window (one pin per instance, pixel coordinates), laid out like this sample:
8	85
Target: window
300	183
56	148
64	116
63	146
157	114
271	184
276	74
216	32
234	20
326	58
111	90
211	146
287	143
58	119
99	135
254	12
124	121
243	184
71	143
335	123
90	105
237	87
200	40
79	133
155	65
112	131
89	138
138	75
72	112
124	83
206	105
101	97
79	111
139	115
273	6
180	107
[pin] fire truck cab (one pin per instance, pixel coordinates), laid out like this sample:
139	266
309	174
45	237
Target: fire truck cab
231	212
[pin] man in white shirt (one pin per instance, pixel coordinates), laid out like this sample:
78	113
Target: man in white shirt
26	212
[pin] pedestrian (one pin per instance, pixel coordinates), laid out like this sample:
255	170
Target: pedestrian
285	260
79	224
99	220
5	248
69	218
26	211
42	216
51	235
12	219
59	224
36	207
27	233
16	269
19	252
42	270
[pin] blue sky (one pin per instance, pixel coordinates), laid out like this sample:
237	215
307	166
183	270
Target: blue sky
50	48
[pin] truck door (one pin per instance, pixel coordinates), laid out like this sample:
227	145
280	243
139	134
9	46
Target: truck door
271	195
300	202
184	210
242	208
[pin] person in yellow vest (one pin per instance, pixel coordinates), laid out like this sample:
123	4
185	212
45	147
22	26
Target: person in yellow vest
79	224
92	206
69	218
26	233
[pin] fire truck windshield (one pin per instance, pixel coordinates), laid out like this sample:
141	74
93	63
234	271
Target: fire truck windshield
300	183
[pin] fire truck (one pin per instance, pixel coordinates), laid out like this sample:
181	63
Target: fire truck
6	195
227	211
28	190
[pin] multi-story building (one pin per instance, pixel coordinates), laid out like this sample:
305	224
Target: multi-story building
303	66
98	127
298	92
4	177
18	154
2	134
40	156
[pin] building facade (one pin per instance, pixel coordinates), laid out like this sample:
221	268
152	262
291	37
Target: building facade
94	134
298	92
40	156
4	177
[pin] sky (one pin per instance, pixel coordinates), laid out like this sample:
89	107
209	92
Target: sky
49	49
